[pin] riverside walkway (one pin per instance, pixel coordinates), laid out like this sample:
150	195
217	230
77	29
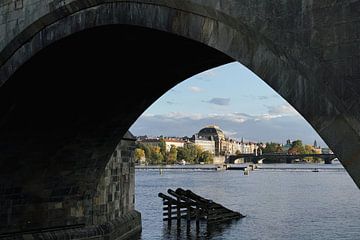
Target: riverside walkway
205	167
199	167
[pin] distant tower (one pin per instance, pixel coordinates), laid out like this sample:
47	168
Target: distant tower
315	144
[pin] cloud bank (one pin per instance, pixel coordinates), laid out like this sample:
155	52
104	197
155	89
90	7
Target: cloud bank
278	125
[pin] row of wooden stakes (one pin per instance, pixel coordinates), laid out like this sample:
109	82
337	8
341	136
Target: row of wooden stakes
185	204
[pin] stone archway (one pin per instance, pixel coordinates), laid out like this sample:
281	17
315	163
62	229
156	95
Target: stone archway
69	129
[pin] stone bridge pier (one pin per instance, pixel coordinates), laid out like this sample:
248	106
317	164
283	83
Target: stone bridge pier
68	205
76	74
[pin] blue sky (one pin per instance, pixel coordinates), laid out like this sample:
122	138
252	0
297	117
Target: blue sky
232	97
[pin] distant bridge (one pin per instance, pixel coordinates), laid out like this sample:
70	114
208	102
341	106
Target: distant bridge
274	157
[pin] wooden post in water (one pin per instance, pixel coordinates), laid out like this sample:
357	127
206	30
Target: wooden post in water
169	213
188	215
197	217
194	206
178	214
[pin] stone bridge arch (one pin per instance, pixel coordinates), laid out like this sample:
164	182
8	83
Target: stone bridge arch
70	135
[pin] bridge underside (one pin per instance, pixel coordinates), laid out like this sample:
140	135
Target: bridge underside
65	103
59	127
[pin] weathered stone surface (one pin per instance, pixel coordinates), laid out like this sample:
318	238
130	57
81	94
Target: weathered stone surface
59	129
108	208
124	227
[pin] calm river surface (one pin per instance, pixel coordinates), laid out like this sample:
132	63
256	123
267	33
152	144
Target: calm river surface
293	203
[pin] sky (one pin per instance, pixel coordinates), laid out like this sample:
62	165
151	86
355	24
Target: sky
231	97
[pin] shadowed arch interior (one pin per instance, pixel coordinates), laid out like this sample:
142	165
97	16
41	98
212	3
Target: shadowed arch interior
80	83
64	111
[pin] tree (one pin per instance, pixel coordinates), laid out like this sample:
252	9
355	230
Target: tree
308	149
272	148
206	157
297	147
311	150
156	157
162	146
198	151
172	155
139	154
190	153
146	149
297	143
182	154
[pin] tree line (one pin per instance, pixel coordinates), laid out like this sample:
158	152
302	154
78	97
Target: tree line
296	147
157	154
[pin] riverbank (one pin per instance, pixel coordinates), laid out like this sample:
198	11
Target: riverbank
246	166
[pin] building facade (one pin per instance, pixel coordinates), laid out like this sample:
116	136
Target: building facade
226	146
210	138
205	144
214	133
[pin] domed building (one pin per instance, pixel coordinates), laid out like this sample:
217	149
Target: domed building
214	133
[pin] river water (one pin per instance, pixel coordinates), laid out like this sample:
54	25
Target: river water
285	201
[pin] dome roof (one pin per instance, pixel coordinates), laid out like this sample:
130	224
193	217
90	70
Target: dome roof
212	131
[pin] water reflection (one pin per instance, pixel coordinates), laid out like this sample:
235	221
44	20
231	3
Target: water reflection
183	231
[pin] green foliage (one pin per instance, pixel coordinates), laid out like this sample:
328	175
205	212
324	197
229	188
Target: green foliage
308	149
297	147
157	154
193	154
272	148
146	149
297	143
171	156
311	150
139	154
162	146
156	157
187	153
206	157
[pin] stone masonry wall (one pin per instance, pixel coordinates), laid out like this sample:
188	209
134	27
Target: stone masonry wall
108	212
116	191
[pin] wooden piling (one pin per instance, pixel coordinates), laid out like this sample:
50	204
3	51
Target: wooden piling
190	206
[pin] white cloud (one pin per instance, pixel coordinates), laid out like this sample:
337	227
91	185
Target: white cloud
267	116
195	89
282	110
230	133
231	117
175	116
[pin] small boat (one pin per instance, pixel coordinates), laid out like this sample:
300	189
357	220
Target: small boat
315	170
